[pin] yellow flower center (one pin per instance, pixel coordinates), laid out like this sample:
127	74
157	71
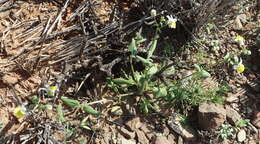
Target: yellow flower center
52	90
240	68
239	38
19	112
172	24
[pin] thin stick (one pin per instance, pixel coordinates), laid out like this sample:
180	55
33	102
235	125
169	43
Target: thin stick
86	76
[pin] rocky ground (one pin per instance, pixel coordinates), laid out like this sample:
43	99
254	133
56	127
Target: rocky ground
53	50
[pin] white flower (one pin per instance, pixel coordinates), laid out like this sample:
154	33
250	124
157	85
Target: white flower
240	68
171	21
19	112
239	40
51	90
153	12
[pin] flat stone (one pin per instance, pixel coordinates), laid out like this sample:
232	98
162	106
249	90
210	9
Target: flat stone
211	116
241	136
232	115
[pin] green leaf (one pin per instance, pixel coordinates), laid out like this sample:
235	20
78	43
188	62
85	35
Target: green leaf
45	107
143	84
152	49
160	92
139	39
169	71
144	61
145	105
35	99
152	70
90	110
227	57
60	113
236	59
137	76
132	47
205	74
197	67
123	81
70	102
242	123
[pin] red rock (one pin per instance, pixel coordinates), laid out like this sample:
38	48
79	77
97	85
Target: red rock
211	116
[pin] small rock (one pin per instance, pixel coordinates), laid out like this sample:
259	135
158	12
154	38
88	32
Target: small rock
186	132
162	140
232	115
238	22
241	136
211	116
7	79
127	134
134	123
142	139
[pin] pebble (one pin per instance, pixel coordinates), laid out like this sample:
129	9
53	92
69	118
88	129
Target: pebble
241	136
232	115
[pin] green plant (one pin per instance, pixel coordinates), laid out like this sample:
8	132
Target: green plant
226	131
70	131
242	123
138	82
190	92
60	112
37	105
155	92
215	45
76	104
